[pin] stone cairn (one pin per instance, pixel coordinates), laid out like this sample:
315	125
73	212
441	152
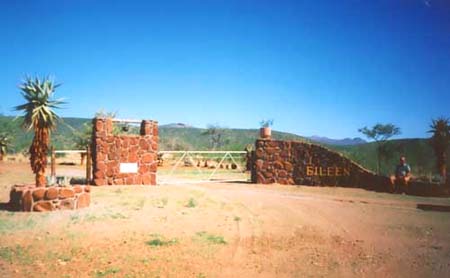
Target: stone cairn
109	151
32	198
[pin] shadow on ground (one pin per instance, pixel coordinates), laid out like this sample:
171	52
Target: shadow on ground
428	207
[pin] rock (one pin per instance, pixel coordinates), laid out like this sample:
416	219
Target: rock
282	181
118	182
146	179
134	141
109	125
259	164
43	206
282	174
67	204
100	156
123	155
271	150
152	179
27	201
83	200
138	180
143	169
285	154
110	170
143	144
260	153
147	158
101	166
114	155
100	182
98	125
288	166
278	165
66	193
38	194
99	175
260	178
154	167
52	193
133	157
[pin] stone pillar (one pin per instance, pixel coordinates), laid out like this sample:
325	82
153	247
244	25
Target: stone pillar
110	152
101	129
146	127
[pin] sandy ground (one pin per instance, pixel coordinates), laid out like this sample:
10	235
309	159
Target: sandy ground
226	230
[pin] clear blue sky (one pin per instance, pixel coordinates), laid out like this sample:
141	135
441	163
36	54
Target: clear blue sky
315	67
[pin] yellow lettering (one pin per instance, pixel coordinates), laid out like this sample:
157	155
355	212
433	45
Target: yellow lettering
326	171
330	171
321	172
309	170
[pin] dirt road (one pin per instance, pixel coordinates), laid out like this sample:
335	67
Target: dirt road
227	230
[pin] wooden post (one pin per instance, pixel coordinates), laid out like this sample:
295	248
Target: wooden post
53	166
88	165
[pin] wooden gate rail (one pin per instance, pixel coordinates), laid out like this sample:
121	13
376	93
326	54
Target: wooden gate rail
188	154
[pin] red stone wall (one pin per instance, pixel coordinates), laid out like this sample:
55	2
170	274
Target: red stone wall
32	198
109	150
300	163
292	162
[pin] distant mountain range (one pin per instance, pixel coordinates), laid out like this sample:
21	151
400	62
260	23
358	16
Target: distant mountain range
175	125
314	138
338	142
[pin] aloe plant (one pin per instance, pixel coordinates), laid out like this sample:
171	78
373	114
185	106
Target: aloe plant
440	128
39	117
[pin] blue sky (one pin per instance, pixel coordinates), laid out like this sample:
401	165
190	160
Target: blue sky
315	67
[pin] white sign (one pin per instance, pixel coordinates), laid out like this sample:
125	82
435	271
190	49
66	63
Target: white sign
128	168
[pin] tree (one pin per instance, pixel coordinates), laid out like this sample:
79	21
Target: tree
39	116
4	144
440	128
102	113
216	135
380	133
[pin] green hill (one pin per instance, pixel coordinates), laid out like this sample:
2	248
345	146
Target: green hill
190	138
417	151
62	138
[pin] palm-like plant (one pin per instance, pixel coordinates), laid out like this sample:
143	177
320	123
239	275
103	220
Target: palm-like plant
39	116
4	144
440	128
